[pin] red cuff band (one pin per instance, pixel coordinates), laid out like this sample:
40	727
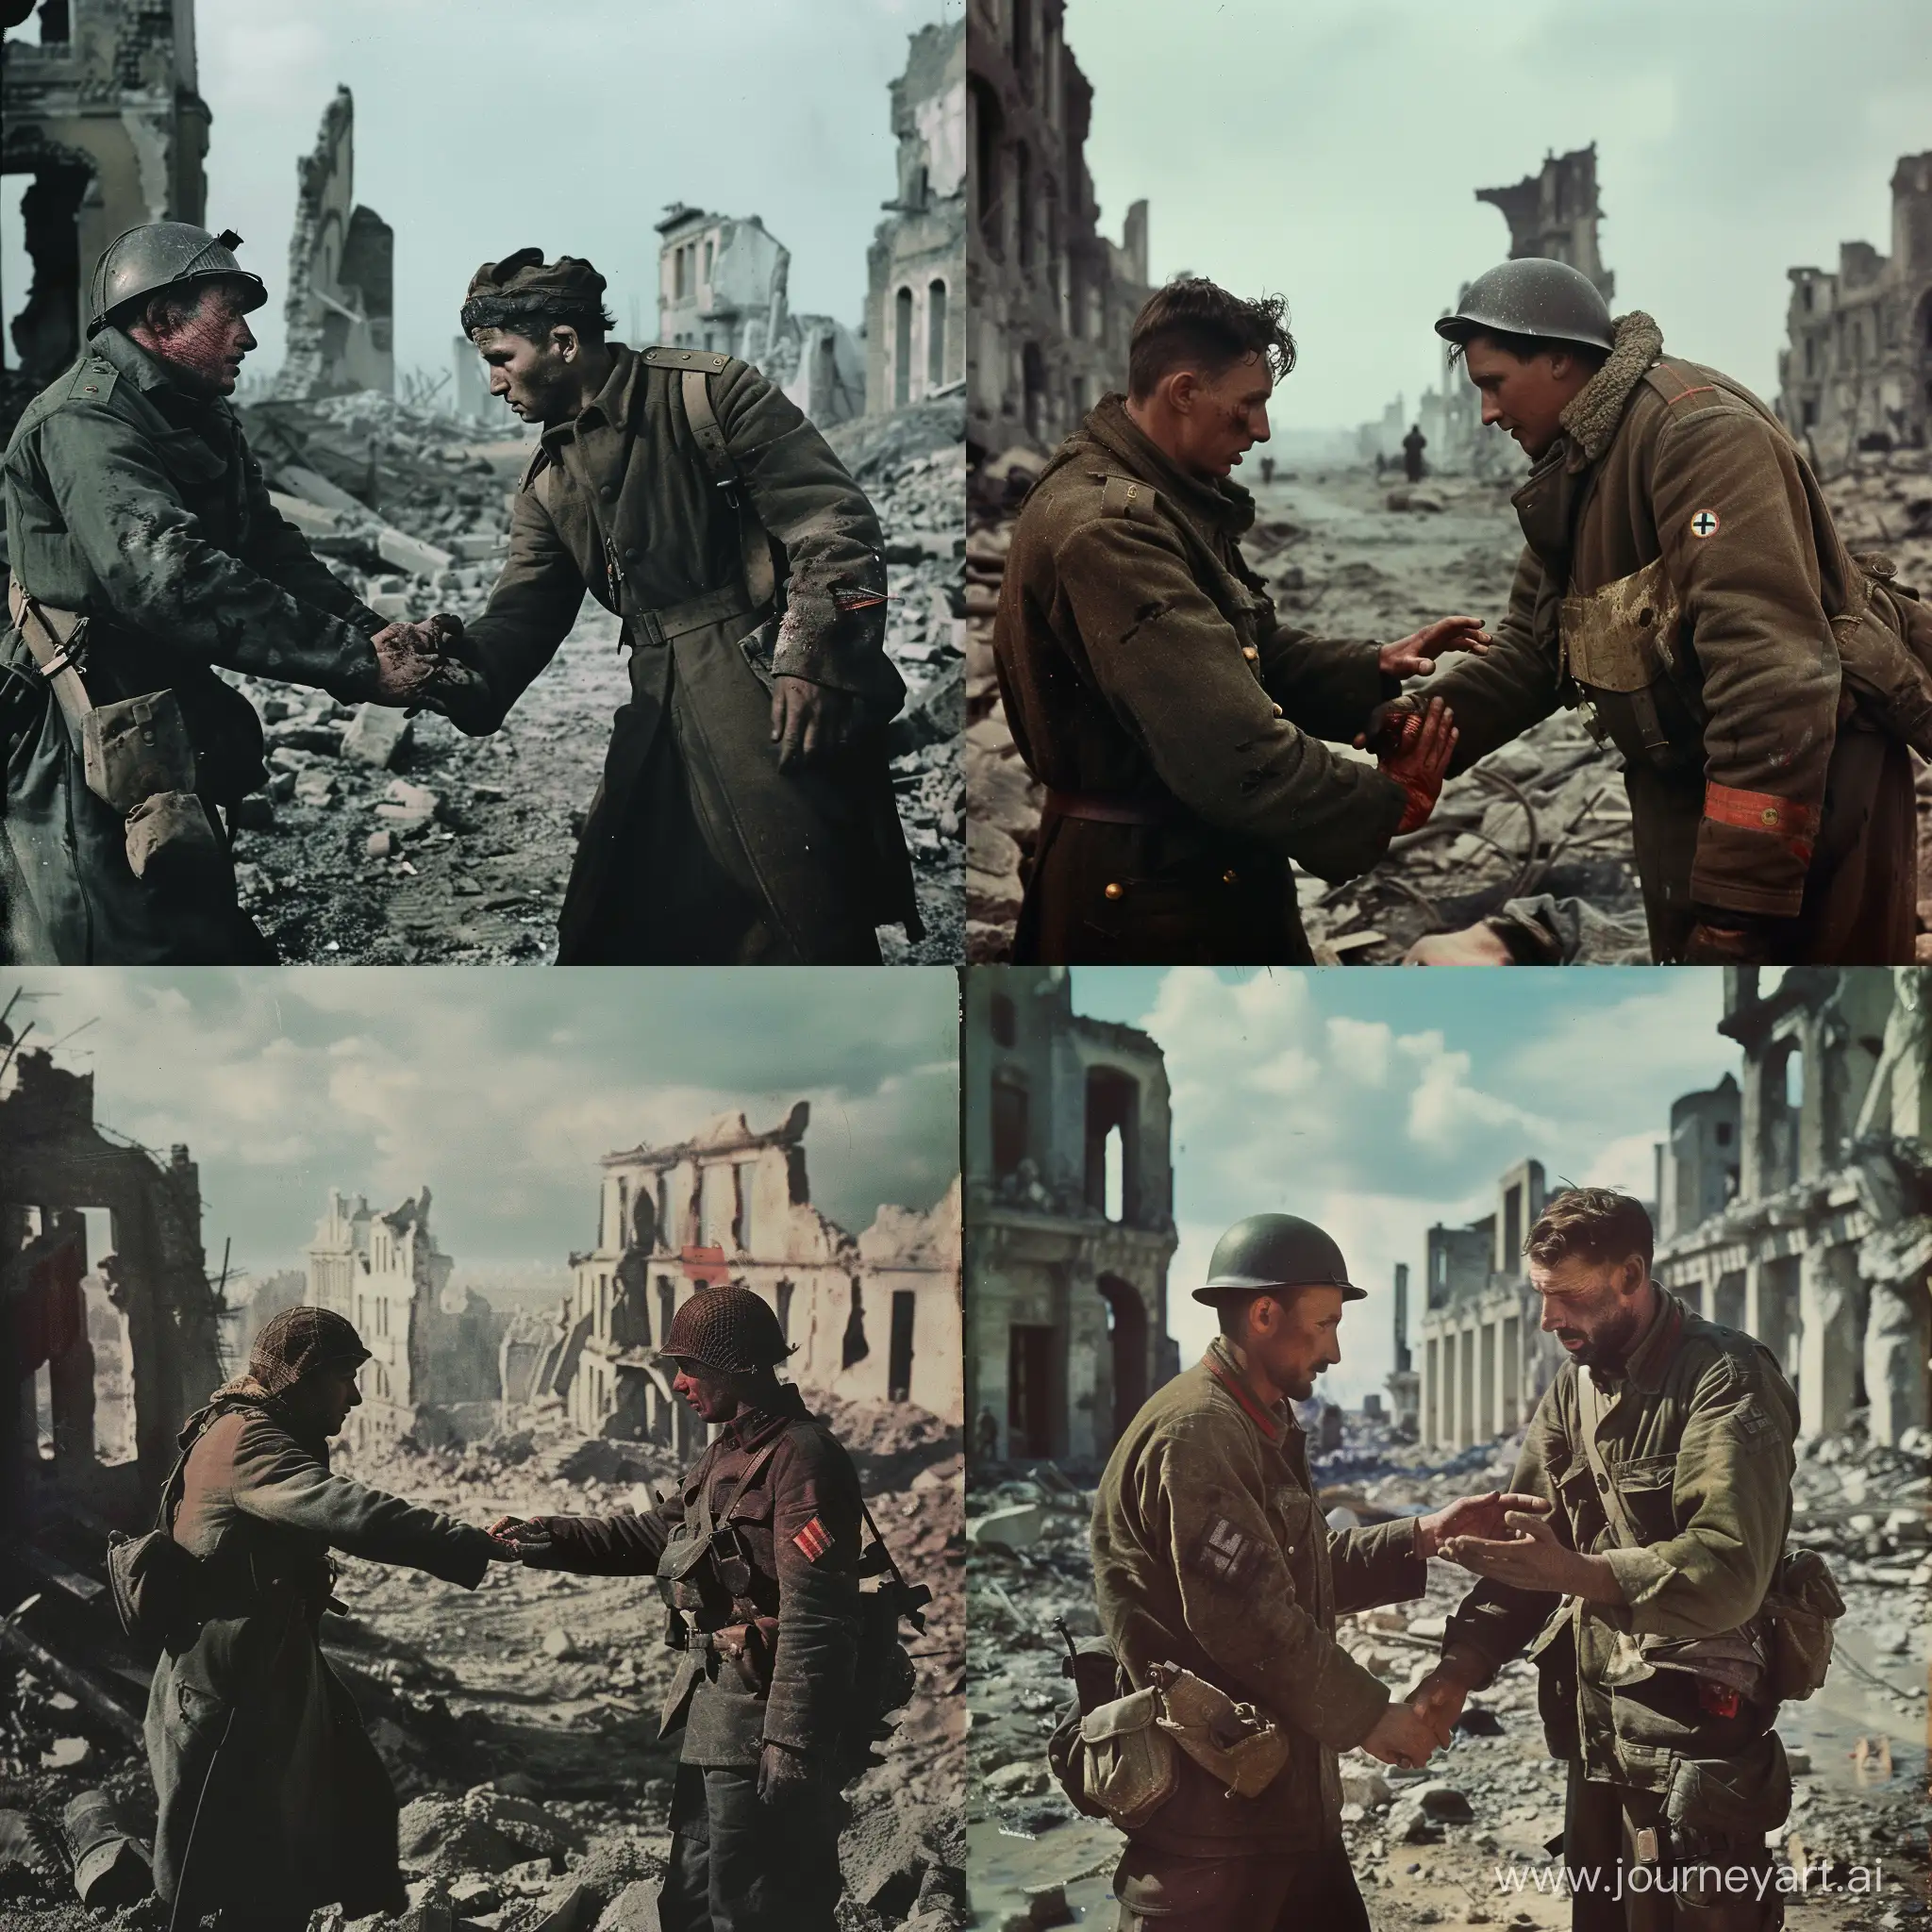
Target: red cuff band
1793	825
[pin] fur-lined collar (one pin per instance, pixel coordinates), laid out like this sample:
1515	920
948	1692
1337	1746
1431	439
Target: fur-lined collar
1590	420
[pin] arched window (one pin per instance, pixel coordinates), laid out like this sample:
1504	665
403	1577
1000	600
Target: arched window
902	348
935	334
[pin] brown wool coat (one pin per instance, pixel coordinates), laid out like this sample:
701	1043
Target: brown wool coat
1211	1551
1682	573
1141	659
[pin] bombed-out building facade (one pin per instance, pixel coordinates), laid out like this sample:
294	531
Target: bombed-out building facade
1794	1201
1857	368
1052	300
1071	1186
872	1318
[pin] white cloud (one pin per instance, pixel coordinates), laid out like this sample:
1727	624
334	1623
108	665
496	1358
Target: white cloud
1360	1048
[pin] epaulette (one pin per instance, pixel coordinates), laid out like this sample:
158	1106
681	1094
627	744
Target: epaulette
1127	496
539	458
93	375
664	357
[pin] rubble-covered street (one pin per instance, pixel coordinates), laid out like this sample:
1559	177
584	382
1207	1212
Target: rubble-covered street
1427	1846
519	1719
383	840
1350	554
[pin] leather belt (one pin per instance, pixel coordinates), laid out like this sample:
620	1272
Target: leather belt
694	613
1113	808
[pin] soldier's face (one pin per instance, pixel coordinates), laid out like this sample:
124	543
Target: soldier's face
1219	418
1294	1340
1525	399
210	342
326	1397
714	1396
1594	1308
536	379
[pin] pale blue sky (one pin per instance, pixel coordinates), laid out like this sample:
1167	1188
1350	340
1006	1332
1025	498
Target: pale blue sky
1330	149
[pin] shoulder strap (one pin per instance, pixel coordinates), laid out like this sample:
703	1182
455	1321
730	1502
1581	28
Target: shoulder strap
755	548
751	1471
1127	496
1591	1411
57	641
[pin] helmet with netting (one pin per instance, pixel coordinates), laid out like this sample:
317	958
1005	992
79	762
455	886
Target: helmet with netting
300	1343
727	1328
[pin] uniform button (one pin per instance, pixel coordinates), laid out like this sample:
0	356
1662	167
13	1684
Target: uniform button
1603	1482
609	490
1277	710
1770	815
1230	877
1249	652
1115	890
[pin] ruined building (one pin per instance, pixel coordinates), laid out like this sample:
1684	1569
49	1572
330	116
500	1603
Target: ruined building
721	286
1794	1203
1072	1191
1052	300
340	304
104	118
874	1319
915	322
431	1342
1858	370
1552	216
56	1166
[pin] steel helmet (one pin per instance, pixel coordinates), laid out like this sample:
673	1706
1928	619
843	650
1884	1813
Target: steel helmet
727	1329
163	254
1532	297
1275	1251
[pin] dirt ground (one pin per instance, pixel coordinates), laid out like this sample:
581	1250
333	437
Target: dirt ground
519	1720
1348	553
1858	1748
458	850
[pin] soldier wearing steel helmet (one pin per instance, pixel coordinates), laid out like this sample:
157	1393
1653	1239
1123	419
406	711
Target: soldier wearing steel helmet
146	557
757	1552
1683	579
1211	1551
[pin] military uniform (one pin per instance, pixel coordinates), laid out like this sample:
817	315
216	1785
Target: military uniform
272	1799
664	499
133	499
778	1496
1210	1552
1682	573
1174	722
1696	1439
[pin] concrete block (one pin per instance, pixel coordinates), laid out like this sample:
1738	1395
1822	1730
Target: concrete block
378	735
1017	1527
411	553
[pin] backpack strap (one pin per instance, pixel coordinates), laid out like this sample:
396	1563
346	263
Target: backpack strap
750	1475
1592	1409
755	548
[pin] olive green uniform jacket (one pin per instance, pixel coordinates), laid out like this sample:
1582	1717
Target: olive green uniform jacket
1211	1551
271	1795
136	501
1143	669
1682	573
622	502
1697	1439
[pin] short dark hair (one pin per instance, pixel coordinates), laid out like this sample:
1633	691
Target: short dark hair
534	316
1593	1224
1524	348
1194	324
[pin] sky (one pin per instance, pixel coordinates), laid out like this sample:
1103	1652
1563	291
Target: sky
492	126
1379	1104
501	1091
1329	150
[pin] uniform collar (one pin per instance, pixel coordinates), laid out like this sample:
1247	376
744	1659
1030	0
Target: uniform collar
1644	1367
747	1431
1223	1361
1218	500
609	409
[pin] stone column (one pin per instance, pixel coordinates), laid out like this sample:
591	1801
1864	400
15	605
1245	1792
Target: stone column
1831	1314
1895	1359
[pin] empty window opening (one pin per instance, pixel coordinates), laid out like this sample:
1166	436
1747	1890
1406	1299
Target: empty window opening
899	1358
854	1348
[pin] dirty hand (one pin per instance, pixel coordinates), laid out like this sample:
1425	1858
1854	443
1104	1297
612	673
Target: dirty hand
519	1535
785	1776
407	660
1438	1700
810	720
1400	1737
1384	729
1486	1515
1421	762
1479	944
1415	655
1534	1559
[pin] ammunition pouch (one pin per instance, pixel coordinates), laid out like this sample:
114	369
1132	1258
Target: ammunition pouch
1801	1605
1884	638
750	1648
1117	1762
1620	647
1234	1743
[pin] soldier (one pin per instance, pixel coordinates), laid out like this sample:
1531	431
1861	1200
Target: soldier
745	815
757	1552
1662	1480
1210	1552
145	553
1683	579
1176	725
1413	445
272	1798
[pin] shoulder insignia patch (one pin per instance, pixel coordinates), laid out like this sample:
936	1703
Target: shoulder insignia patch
1127	496
663	355
813	1540
1703	524
1226	1554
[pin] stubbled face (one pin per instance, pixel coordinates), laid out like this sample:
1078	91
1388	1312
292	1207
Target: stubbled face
715	1397
1294	1340
326	1397
1219	418
209	343
1596	1309
537	379
1524	398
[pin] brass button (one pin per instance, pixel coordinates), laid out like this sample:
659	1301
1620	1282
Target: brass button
1771	815
1230	877
1115	890
1277	710
1249	652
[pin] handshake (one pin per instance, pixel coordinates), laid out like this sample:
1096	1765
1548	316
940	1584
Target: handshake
417	665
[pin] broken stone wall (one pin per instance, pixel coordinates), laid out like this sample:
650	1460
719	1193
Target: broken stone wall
1052	300
1856	370
1070	1177
915	305
340	304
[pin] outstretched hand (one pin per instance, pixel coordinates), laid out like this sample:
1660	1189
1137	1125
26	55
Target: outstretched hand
1421	762
1415	655
1475	1516
1529	1556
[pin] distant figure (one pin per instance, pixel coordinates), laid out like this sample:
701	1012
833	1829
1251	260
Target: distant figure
1267	469
1413	445
986	1437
